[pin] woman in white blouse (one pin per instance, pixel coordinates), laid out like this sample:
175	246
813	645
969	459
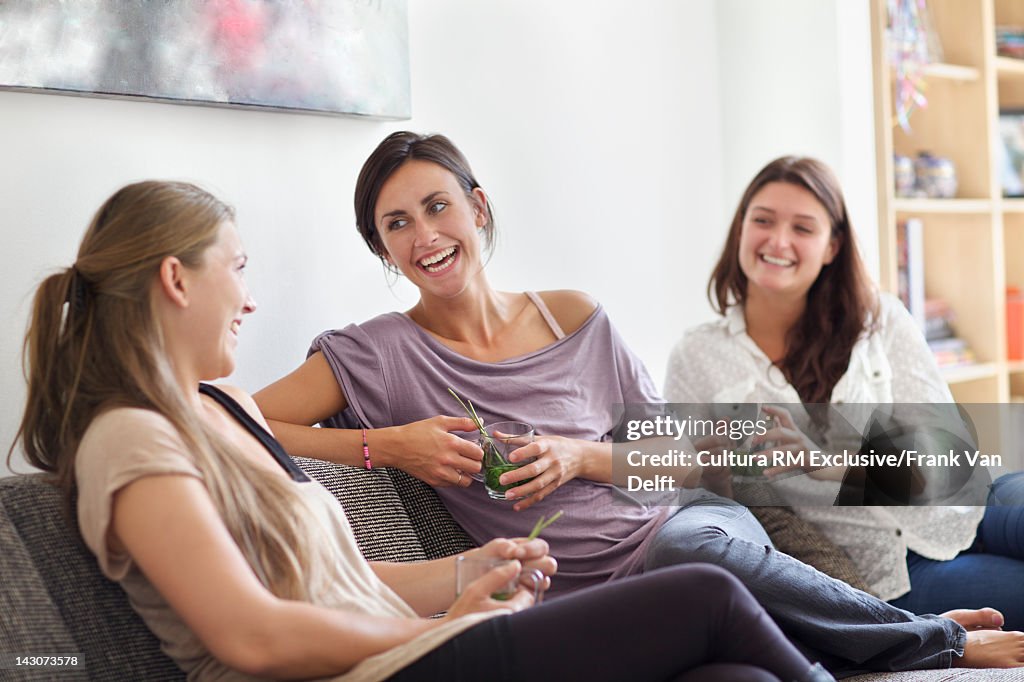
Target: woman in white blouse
802	323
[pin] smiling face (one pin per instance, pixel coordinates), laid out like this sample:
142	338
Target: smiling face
219	299
430	228
785	240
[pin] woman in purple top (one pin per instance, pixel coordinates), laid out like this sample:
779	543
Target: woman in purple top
552	360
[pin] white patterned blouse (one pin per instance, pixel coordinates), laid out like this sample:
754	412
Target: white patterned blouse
718	362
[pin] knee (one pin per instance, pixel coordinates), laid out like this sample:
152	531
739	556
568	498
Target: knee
716	585
693	546
712	579
1008	490
712	594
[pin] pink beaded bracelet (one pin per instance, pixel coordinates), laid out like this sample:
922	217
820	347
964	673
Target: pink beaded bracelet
366	453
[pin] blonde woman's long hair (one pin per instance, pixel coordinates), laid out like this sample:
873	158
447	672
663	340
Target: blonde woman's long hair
94	343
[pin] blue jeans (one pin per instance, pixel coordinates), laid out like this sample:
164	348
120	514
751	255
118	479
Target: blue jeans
990	573
846	629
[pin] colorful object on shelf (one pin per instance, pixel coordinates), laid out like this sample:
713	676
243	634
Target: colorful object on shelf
904	175
1014	324
1010	41
912	46
1010	154
910	268
935	176
949	349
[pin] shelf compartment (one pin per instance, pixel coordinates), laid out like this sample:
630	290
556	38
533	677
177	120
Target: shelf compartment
944	206
955	124
1010	82
965	373
985	386
947	72
953	72
955	246
1010	68
1013	252
958	23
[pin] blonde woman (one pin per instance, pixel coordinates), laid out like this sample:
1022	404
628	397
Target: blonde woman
243	566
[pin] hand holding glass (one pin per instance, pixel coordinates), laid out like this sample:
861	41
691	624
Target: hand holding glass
499	441
469	569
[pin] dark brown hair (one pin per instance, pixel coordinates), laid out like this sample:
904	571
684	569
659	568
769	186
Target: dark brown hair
388	157
840	302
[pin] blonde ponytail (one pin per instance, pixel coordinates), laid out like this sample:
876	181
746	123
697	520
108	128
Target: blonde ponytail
94	343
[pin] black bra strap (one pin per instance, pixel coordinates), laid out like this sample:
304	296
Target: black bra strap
256	429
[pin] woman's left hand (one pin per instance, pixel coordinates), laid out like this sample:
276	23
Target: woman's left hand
559	460
530	553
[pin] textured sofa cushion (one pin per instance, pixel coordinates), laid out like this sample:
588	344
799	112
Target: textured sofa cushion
30	622
394	516
373	507
437	531
99	624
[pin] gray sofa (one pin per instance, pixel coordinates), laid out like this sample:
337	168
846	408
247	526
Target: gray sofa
53	599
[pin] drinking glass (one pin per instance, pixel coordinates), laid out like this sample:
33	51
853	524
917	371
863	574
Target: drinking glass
468	569
501	439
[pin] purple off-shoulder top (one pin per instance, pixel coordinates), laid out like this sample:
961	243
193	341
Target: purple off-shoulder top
392	372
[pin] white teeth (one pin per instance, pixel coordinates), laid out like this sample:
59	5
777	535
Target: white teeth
439	268
776	261
234	327
437	258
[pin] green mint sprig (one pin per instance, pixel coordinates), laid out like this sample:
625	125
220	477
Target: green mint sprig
541	525
471	412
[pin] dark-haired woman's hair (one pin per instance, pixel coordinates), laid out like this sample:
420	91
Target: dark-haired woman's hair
388	157
841	302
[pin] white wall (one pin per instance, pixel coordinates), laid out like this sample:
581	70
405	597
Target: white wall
594	124
796	79
614	139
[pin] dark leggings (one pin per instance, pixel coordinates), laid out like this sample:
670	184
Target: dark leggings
693	623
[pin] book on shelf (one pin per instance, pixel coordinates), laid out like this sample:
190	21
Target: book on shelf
910	268
953	352
949	349
939	319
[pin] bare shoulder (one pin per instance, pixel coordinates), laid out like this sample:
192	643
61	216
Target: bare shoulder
246	401
570	308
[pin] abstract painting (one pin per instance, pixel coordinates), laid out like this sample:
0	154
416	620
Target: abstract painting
329	56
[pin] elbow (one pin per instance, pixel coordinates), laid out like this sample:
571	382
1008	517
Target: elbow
247	653
250	647
268	655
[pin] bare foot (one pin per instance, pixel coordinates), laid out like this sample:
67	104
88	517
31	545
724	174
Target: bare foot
992	649
976	619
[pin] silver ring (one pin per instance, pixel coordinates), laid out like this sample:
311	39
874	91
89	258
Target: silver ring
459	482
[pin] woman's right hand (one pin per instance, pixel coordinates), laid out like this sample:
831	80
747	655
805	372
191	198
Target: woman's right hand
427	450
476	598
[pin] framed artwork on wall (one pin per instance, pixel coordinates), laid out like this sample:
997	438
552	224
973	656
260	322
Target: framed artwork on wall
335	57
